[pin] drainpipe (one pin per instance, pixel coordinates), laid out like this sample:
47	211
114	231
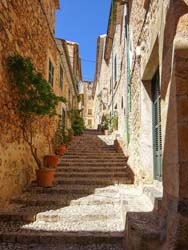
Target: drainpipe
128	94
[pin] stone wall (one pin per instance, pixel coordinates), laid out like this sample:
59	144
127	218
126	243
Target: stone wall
88	104
23	29
163	43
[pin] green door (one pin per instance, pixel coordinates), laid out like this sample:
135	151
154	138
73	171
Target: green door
157	137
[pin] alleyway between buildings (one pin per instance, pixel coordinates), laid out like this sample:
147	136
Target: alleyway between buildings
85	209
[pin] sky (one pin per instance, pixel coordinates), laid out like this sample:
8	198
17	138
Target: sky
82	21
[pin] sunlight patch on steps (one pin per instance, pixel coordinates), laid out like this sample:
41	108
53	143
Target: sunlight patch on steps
105	211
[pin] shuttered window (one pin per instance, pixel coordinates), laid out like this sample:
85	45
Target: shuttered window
157	135
51	73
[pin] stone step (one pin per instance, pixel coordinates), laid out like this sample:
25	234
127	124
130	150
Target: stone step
65	189
82	214
17	212
66	246
15	234
80	160
90	169
92	181
93	154
92	158
91	174
90	164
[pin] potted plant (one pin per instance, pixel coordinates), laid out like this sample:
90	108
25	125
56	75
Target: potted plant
35	101
114	121
60	138
105	124
70	134
50	160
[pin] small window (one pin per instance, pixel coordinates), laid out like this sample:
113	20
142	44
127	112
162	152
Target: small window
90	98
60	77
89	111
122	102
89	122
51	73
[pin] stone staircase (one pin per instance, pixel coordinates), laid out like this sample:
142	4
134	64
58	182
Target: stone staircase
85	209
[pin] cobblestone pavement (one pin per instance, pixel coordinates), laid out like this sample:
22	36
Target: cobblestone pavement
84	213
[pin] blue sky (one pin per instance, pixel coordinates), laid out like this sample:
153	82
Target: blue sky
82	21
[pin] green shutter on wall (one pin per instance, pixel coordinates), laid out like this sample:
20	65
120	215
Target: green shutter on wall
156	120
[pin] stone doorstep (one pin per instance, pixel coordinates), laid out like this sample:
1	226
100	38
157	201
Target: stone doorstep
155	195
143	230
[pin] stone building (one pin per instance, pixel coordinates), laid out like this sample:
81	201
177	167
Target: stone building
100	83
34	39
86	89
155	86
72	75
110	77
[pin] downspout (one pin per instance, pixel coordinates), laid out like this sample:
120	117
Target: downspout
128	94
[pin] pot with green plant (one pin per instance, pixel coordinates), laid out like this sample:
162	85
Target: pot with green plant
114	122
105	124
50	160
60	138
35	101
70	134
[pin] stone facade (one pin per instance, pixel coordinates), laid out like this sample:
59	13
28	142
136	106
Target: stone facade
159	42
70	89
156	52
87	103
34	39
110	79
100	82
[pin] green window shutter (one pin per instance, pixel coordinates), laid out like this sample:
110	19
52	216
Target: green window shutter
156	120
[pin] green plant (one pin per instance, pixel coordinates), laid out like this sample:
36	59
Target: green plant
79	98
106	121
35	99
77	122
114	121
70	134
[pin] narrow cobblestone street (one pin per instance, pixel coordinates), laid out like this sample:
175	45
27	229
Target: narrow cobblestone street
85	209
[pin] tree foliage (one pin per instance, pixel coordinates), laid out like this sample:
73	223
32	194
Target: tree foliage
35	98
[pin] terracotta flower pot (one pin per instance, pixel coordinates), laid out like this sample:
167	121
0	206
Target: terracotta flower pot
51	161
45	177
61	150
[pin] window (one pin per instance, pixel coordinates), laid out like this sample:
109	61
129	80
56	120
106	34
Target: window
90	98
51	73
89	122
89	111
60	77
111	85
122	105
